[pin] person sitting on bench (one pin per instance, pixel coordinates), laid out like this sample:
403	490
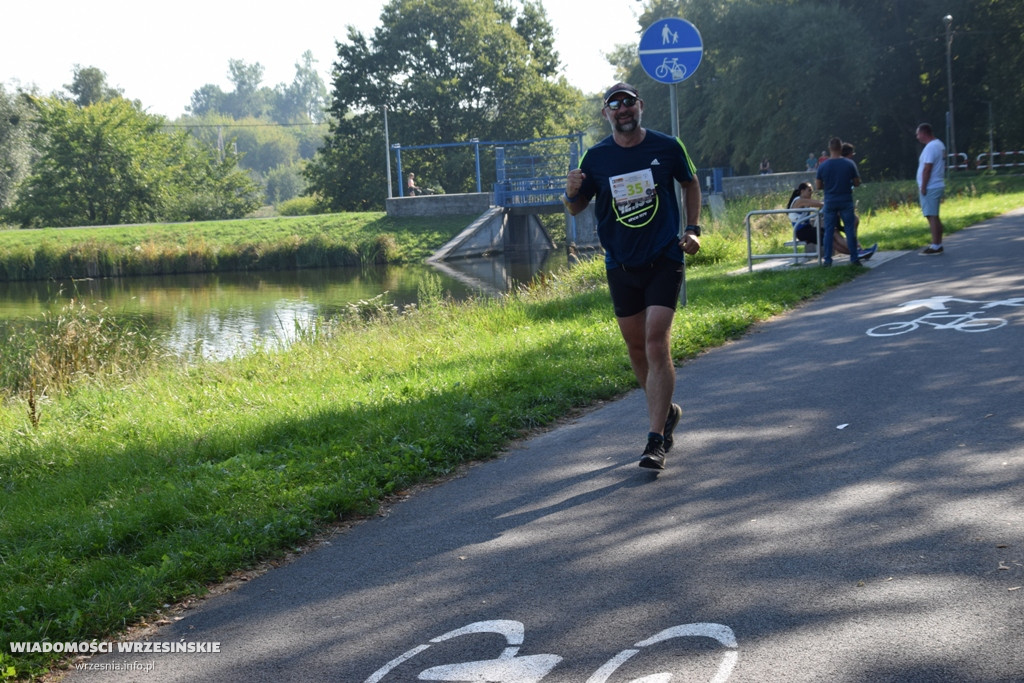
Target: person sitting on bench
805	223
410	186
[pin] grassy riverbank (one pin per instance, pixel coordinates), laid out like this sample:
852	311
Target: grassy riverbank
351	239
128	491
287	243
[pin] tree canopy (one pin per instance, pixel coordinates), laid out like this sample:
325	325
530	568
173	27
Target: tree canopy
779	77
89	86
16	152
109	163
446	71
303	100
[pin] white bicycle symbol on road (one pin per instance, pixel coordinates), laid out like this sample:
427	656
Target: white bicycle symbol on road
509	668
941	318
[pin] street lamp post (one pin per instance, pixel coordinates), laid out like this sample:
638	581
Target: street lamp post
948	21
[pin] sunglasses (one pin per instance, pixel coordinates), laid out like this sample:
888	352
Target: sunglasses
624	102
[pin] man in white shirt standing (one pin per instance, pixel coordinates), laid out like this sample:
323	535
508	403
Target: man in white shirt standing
931	183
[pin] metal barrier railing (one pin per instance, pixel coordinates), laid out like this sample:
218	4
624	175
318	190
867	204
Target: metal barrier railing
987	160
961	163
795	256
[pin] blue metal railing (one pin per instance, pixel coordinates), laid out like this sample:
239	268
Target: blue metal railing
539	191
532	172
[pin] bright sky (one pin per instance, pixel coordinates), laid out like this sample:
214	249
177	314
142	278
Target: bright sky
160	53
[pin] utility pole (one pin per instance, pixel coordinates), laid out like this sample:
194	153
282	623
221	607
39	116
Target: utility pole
387	150
948	21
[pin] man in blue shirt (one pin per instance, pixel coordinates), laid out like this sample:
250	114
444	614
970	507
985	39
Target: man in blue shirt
632	173
837	177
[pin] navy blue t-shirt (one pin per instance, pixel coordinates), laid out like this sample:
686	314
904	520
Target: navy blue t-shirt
636	207
836	176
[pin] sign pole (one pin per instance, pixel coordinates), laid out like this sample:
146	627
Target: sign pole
670	51
673	106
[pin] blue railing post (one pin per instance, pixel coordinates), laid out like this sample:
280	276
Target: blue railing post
499	171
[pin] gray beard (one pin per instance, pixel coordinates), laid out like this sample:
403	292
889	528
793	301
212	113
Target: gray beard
627	126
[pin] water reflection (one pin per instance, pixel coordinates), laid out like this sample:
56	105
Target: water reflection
223	314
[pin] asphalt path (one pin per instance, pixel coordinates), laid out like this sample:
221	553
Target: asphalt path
844	502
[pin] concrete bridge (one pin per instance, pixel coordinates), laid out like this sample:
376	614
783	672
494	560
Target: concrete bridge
497	228
529	180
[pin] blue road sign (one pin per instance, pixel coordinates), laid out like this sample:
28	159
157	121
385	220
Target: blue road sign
670	50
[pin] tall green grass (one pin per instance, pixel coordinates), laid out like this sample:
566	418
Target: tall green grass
250	244
44	359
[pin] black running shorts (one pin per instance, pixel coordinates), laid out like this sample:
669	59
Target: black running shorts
656	284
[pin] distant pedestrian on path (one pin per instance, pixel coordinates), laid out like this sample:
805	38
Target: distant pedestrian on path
931	183
632	173
837	177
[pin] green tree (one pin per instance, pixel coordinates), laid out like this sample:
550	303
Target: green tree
284	183
207	100
305	99
89	86
771	82
302	101
248	98
16	152
263	146
779	77
447	71
111	163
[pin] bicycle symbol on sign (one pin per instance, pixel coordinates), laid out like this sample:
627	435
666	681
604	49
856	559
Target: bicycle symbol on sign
941	318
671	66
507	667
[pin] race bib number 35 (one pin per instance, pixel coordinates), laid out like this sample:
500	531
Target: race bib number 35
634	197
632	188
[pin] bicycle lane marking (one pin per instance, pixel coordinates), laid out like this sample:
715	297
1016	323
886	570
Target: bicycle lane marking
941	311
510	668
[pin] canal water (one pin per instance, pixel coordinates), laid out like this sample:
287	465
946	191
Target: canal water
219	315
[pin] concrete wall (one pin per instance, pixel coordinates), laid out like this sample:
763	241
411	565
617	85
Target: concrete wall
769	183
468	204
496	231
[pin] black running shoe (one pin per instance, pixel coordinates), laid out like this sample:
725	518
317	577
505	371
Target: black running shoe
674	414
654	455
